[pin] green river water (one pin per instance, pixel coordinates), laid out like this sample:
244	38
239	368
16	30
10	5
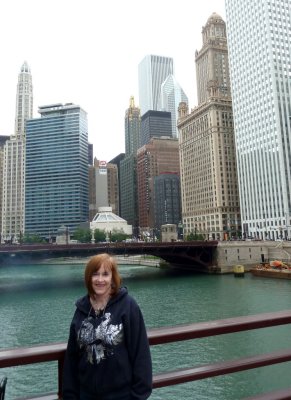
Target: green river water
37	304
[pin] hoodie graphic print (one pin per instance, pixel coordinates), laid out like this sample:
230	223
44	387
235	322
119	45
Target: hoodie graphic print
99	339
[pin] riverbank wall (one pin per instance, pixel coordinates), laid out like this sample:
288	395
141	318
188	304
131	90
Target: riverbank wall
248	254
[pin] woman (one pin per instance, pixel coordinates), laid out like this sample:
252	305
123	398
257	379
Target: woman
108	356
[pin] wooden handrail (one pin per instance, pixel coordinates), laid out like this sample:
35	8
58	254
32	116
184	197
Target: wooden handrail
221	368
56	351
32	355
217	327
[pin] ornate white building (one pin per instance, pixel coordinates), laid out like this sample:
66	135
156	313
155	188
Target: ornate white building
13	197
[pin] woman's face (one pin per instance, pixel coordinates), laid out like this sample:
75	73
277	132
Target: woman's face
101	282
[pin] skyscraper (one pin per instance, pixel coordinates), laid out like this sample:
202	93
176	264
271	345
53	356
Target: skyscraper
128	183
132	128
98	187
128	191
90	153
117	161
3	140
103	187
56	170
152	72
159	156
210	199
259	40
167	199
171	96
113	187
155	124
24	100
13	200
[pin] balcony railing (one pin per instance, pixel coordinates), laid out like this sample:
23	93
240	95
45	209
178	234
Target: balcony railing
56	352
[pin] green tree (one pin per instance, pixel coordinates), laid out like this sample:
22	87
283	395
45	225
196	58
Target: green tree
83	235
30	238
99	235
194	236
118	235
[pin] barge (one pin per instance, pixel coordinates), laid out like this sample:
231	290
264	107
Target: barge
275	269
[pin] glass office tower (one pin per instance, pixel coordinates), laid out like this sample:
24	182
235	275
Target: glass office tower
152	72
171	96
155	124
259	41
56	170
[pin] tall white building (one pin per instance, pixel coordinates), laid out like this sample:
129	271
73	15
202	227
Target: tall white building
24	100
171	96
259	41
152	71
13	197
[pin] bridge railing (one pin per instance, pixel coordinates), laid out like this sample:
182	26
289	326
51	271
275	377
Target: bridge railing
56	352
8	248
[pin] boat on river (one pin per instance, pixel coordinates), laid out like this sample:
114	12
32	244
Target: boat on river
274	269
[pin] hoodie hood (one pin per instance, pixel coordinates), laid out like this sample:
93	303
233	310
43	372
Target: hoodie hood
83	304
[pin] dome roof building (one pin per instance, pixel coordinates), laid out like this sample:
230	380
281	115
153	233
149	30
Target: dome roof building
106	220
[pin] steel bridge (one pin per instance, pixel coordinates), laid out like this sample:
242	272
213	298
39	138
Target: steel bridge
198	255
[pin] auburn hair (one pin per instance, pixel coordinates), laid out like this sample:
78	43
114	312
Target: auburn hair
109	263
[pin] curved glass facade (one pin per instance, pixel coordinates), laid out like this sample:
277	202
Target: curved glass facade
56	170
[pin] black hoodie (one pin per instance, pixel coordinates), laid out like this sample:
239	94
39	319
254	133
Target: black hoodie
108	353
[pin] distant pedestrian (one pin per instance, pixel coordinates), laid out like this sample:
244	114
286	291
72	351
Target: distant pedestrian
108	355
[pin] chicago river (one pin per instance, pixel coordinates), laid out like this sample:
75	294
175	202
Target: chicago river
37	304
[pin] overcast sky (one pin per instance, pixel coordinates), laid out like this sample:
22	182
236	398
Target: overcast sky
87	52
